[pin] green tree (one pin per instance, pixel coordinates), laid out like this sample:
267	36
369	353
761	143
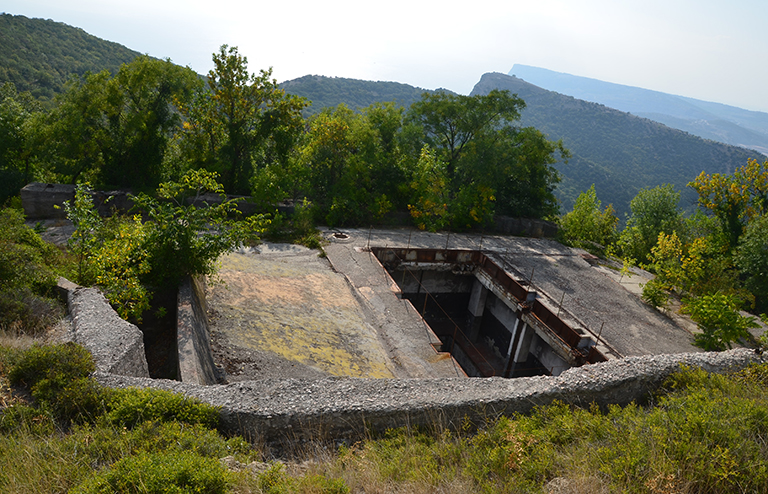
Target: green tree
116	130
489	161
735	199
452	123
17	112
589	226
751	257
719	320
242	121
430	179
351	163
653	211
189	225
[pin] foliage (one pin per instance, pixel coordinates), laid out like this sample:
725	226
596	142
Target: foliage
350	163
719	320
243	121
188	227
751	257
161	473
735	199
18	112
489	161
588	226
655	295
653	211
58	376
116	130
697	268
132	406
28	272
39	55
430	184
111	254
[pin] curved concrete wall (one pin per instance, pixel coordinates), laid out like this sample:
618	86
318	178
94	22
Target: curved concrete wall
117	346
277	410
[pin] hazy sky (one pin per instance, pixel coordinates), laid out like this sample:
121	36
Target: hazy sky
708	49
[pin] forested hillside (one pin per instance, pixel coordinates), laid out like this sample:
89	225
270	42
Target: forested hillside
618	152
326	92
715	121
40	55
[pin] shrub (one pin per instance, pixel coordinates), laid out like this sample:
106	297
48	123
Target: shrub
132	406
59	377
28	271
158	473
719	320
655	295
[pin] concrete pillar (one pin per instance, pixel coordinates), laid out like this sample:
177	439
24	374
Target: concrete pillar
519	347
476	307
524	344
512	339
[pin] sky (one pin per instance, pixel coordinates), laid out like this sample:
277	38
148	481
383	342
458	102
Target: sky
706	49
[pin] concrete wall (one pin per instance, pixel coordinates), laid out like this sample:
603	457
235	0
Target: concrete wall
277	410
117	346
42	201
195	357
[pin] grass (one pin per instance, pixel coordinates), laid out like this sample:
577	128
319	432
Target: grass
701	433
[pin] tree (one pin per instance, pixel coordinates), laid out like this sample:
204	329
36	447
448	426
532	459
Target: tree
452	123
115	130
751	257
430	211
735	199
240	122
719	320
17	111
654	211
490	163
185	234
589	226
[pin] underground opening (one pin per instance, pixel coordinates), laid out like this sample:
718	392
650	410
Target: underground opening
492	323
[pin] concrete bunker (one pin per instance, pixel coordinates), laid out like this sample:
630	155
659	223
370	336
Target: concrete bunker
491	323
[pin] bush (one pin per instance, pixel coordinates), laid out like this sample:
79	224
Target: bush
28	271
132	406
158	473
59	378
719	320
655	295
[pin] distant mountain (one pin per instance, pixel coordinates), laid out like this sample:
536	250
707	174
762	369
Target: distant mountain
330	91
619	152
715	121
40	55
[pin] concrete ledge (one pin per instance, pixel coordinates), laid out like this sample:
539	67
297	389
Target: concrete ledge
277	410
195	357
117	346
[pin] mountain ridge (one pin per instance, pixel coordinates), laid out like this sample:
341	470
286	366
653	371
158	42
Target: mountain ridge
716	121
39	55
617	151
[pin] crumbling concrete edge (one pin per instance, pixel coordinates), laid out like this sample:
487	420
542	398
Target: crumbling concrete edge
280	410
117	346
192	334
